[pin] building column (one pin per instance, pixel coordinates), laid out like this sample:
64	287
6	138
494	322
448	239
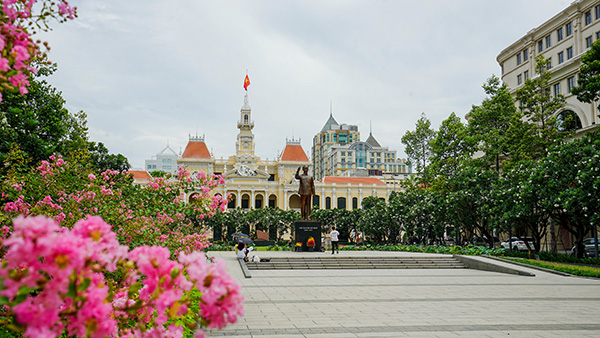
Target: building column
238	201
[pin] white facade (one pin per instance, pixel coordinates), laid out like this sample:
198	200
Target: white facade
165	161
563	39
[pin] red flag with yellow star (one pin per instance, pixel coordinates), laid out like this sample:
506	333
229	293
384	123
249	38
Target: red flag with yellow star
246	82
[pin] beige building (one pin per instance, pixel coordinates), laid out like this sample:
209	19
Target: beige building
338	151
563	39
254	183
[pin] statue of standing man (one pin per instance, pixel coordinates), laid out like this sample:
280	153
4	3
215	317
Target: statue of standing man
306	190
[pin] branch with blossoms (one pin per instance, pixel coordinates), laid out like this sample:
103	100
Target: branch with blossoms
157	214
52	282
19	20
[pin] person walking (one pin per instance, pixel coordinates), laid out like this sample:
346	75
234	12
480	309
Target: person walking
327	240
335	246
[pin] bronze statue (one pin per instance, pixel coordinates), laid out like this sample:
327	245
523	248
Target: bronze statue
306	190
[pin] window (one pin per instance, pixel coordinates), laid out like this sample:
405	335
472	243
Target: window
519	79
549	63
557	89
540	46
571	83
559	34
518	59
526	75
588	42
597	11
569	53
548	41
588	18
525	54
597	35
561	57
569	28
149	166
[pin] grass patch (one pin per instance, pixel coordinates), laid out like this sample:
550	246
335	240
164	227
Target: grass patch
577	270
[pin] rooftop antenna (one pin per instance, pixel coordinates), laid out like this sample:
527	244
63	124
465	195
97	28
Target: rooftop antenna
370	127
330	108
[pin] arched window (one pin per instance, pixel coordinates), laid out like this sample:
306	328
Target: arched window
327	203
568	121
341	203
245	118
316	201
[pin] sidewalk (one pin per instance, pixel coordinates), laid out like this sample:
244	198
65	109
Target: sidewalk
410	302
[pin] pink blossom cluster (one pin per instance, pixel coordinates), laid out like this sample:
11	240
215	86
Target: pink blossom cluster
64	267
17	46
63	191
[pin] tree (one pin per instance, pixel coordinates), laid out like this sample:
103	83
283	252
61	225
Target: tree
450	147
469	201
520	204
418	144
496	125
101	159
588	89
540	108
36	123
571	193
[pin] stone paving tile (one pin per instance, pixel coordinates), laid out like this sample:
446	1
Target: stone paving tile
412	303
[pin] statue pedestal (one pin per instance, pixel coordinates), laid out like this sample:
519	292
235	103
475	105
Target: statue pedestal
304	229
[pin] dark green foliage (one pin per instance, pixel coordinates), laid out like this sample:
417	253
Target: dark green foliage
588	79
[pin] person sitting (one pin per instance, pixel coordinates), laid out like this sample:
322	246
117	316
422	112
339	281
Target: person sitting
242	251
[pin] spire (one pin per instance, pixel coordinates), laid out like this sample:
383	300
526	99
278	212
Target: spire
246	106
371	140
331	122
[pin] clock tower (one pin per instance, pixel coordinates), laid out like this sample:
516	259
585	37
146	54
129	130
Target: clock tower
244	145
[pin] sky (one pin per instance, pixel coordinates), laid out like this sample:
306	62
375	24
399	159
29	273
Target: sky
150	73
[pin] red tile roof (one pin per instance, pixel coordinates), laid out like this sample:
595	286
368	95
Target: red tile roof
294	153
196	149
140	174
352	180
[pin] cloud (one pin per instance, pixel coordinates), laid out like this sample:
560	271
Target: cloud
151	72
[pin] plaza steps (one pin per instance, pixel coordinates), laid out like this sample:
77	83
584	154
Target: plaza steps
337	262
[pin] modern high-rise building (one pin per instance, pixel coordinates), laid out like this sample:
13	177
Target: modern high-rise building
563	39
338	151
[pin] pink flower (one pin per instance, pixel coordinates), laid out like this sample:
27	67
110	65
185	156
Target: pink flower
20	80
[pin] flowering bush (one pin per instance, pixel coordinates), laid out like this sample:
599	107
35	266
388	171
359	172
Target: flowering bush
18	21
154	215
52	281
310	241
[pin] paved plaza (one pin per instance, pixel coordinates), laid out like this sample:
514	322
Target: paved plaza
411	302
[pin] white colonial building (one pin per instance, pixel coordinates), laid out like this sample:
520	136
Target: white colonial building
563	39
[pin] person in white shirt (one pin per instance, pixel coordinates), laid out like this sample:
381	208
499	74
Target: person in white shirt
334	241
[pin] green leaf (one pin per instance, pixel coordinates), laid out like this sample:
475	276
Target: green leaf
83	286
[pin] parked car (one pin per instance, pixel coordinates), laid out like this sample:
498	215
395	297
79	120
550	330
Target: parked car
589	247
515	243
483	241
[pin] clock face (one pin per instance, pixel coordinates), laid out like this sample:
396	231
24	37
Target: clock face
245	144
